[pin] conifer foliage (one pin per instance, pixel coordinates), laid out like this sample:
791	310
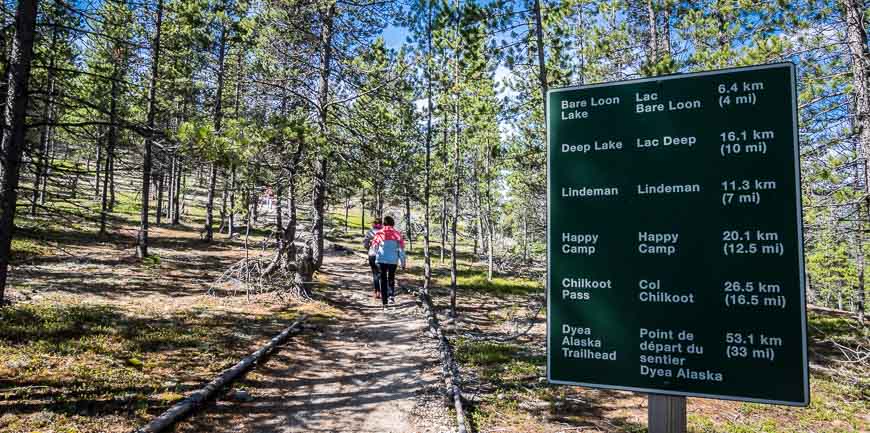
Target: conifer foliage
307	104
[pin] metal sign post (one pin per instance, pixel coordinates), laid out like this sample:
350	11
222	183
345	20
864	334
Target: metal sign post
666	414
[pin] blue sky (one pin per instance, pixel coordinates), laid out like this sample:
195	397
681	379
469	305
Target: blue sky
394	36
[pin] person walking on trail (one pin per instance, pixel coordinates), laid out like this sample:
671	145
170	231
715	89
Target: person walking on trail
389	252
367	243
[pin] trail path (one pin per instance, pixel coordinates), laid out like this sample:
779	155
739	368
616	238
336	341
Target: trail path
366	371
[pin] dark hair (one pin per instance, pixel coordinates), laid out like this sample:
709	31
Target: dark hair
376	221
389	221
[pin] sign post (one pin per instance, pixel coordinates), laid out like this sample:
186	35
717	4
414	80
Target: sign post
666	414
675	261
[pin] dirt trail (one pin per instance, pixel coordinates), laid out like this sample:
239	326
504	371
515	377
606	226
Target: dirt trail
365	371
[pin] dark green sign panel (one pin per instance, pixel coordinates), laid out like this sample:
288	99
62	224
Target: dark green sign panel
675	243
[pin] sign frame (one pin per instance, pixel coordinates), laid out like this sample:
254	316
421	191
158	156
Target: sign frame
800	237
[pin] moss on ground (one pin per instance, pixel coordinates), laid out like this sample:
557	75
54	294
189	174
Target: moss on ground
85	363
510	381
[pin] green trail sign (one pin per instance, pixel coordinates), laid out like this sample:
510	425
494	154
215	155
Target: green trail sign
674	237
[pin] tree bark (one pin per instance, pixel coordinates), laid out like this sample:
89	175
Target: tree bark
160	185
409	231
427	255
539	40
346	212
38	193
142	238
14	135
489	217
170	193
199	397
224	193
179	181
456	175
105	205
111	175
363	211
322	165
525	235
652	22
218	121
856	36
666	32
97	162
232	218
286	251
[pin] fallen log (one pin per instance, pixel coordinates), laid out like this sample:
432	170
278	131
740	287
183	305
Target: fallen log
449	368
193	401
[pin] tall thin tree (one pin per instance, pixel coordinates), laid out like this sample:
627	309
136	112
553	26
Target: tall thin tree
142	238
15	113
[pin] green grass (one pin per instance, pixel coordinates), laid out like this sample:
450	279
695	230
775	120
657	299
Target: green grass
354	220
503	363
475	280
99	359
25	249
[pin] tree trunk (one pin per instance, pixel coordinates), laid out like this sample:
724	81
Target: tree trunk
105	205
224	193
179	182
98	161
160	184
111	175
652	22
489	217
479	241
379	193
666	32
409	231
539	40
525	235
856	36
456	176
320	172
286	250
346	213
363	209
445	225
232	220
255	202
38	193
218	120
427	255
14	135
142	238
4	72
170	193
209	205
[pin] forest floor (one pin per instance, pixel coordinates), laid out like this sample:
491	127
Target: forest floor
97	341
364	371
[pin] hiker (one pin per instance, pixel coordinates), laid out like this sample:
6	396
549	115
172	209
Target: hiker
367	243
389	252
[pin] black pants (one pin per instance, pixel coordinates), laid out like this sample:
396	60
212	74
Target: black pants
376	274
388	280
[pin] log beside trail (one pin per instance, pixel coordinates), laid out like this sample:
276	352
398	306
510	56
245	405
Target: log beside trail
193	401
449	368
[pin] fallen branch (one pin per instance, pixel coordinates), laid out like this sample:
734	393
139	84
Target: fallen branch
184	407
448	364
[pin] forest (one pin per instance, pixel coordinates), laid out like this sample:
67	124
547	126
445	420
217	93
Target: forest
182	179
